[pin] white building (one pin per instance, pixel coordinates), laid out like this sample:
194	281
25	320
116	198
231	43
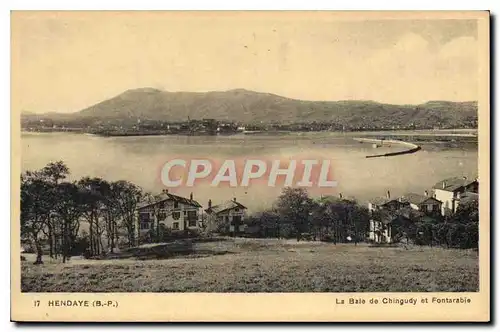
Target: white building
449	192
172	211
382	213
229	216
387	213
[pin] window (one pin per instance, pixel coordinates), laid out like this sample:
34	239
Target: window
192	215
430	207
192	222
236	220
162	215
176	215
175	225
144	216
144	225
176	205
185	212
236	210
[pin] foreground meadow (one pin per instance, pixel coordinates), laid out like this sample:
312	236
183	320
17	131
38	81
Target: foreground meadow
260	265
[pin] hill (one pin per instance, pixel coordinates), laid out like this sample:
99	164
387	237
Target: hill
253	107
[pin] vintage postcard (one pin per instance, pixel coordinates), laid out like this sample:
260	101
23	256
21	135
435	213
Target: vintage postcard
250	166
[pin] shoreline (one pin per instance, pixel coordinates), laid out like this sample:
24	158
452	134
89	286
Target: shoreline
458	132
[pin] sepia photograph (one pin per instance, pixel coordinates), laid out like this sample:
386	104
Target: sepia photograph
210	153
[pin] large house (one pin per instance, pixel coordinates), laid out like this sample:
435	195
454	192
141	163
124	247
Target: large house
172	211
384	203
387	214
450	192
228	217
383	212
424	203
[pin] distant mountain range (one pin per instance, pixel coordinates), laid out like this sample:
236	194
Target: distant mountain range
253	107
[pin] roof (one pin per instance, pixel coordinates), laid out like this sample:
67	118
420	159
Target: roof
407	213
225	206
167	196
382	200
416	199
453	184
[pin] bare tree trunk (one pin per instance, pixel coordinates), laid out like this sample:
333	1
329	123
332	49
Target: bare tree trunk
157	229
335	234
39	251
91	236
57	232
64	241
113	234
51	239
100	245
130	231
108	236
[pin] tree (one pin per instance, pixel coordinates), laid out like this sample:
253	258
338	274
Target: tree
95	193
125	197
159	214
342	217
466	212
359	220
111	215
53	173
465	232
269	223
294	207
35	209
324	218
69	206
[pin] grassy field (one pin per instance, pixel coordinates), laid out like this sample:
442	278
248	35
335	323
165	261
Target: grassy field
255	265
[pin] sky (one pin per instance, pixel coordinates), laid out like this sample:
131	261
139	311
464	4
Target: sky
65	62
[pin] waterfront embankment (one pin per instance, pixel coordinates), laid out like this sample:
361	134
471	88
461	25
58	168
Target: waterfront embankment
412	148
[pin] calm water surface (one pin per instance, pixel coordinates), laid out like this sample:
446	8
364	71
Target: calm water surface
139	159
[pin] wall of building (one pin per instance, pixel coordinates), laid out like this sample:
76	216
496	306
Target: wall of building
170	210
378	233
448	201
226	217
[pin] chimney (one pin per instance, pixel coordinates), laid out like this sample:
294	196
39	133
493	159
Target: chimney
209	203
444	184
426	193
340	195
388	194
234	199
165	191
191	196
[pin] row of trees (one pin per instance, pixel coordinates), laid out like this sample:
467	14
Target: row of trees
52	210
459	230
296	214
333	219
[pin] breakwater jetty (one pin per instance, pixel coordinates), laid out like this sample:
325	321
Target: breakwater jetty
412	148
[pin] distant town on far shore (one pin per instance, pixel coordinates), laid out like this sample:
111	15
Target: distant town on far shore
154	112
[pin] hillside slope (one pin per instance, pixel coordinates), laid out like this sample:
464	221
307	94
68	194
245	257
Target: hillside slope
251	107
